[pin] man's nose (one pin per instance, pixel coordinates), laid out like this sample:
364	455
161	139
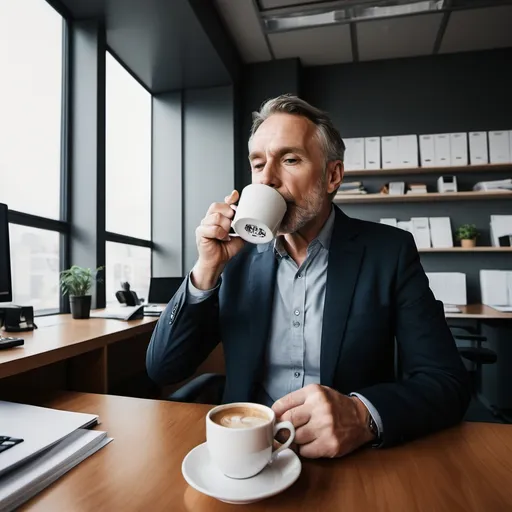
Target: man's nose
269	175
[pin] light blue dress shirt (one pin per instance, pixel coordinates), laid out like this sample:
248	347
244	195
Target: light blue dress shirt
293	349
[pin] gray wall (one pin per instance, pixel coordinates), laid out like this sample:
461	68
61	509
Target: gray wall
208	157
259	83
456	92
445	93
87	151
167	182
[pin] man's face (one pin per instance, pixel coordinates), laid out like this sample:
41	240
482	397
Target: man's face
285	153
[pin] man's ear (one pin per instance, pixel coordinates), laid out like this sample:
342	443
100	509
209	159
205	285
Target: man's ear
335	170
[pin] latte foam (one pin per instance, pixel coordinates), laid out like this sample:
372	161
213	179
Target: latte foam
240	417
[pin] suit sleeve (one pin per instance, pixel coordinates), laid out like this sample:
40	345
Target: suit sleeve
186	332
434	391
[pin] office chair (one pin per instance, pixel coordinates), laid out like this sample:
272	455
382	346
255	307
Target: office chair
207	388
479	356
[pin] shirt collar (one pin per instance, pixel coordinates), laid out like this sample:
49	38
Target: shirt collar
324	238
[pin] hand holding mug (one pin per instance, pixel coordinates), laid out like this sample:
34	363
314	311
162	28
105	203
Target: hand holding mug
214	244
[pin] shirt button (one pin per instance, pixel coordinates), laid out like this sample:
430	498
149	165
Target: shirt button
296	375
299	276
296	324
297	312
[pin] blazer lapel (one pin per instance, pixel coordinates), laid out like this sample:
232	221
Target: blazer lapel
345	257
260	300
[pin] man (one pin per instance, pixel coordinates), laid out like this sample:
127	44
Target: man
308	322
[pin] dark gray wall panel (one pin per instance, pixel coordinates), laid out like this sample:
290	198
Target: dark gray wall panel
260	82
167	211
88	150
460	92
209	157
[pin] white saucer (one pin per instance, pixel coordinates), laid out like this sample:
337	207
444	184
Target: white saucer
200	473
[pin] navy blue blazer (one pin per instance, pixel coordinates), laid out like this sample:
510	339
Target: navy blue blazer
377	293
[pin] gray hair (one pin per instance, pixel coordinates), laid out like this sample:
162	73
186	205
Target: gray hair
328	135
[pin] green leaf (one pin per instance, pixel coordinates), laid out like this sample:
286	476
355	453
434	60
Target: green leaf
77	280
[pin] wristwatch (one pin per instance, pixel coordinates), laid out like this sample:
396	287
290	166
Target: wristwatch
374	429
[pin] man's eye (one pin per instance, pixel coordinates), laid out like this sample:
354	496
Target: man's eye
258	166
291	161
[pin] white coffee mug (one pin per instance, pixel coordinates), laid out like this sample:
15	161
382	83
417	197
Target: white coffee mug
259	213
244	452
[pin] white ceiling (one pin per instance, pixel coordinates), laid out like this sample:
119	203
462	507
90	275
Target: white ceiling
398	37
314	46
478	29
408	36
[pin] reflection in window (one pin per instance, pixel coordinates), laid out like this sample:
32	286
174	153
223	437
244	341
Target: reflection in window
127	263
35	267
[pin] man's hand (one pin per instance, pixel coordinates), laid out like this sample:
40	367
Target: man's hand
327	423
214	244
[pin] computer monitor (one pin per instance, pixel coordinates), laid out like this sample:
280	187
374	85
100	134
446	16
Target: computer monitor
162	289
5	257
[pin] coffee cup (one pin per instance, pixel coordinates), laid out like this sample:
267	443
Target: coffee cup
259	213
240	438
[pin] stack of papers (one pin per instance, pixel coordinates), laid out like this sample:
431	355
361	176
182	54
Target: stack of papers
500	225
448	287
53	442
20	485
495	185
496	289
120	312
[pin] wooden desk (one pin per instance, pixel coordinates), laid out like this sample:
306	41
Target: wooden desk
68	354
479	312
466	468
95	355
61	337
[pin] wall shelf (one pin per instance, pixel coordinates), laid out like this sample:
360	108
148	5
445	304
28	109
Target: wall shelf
434	170
413	198
466	249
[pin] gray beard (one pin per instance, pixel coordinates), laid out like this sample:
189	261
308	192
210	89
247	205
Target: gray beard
297	217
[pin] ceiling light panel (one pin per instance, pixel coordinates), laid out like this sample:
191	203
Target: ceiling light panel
313	16
478	29
314	46
409	36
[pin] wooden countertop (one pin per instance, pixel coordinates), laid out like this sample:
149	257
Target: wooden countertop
60	337
480	312
468	467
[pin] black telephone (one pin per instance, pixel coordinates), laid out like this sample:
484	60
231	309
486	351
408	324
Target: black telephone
127	296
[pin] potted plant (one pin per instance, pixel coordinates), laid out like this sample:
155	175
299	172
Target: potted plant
467	234
76	282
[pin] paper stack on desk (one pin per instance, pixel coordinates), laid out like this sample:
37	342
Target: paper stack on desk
500	225
448	287
496	289
120	312
53	442
23	483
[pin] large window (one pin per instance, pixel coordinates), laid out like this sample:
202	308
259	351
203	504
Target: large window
128	181
30	106
31	113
